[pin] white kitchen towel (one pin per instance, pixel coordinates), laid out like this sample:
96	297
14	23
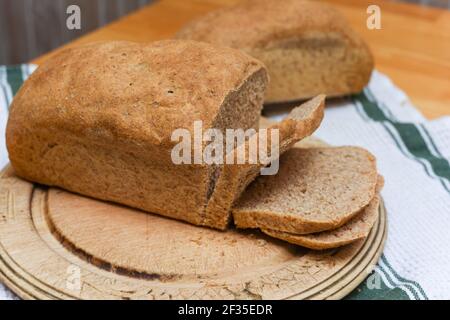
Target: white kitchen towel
413	156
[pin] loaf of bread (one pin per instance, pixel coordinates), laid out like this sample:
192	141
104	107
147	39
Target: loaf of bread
307	46
98	119
316	189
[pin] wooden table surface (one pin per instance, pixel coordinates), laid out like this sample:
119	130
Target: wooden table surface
412	47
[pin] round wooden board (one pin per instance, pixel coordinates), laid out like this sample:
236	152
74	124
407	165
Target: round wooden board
58	245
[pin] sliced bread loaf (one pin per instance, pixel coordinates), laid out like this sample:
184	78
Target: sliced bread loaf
316	189
307	46
98	119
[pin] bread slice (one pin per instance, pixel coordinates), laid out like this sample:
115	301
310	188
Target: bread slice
357	228
307	46
300	123
98	119
316	189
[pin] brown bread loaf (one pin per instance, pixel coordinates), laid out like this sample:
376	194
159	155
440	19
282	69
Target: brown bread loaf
307	46
98	119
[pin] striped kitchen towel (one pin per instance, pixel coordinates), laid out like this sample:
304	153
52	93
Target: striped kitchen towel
413	156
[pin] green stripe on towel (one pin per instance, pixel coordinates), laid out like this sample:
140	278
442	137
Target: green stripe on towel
409	135
411	142
14	78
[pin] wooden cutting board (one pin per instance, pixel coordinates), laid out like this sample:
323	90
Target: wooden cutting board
59	245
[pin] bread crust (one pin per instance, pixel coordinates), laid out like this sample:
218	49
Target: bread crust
307	46
97	120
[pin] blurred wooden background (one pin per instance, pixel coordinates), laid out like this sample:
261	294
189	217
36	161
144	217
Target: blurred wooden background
434	3
29	28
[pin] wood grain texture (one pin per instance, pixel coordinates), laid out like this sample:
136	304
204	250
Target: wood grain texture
122	253
413	46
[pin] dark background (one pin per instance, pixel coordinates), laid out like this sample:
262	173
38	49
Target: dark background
29	28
